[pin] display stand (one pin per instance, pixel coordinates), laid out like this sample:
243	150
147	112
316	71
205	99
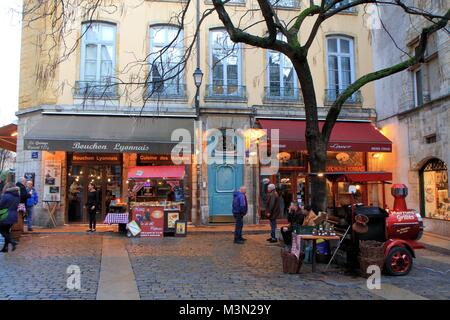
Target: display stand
51	209
314	241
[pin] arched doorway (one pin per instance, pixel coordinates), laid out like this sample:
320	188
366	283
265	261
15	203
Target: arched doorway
435	202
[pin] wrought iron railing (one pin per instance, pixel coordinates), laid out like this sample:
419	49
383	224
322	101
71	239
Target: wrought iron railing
156	90
95	89
331	96
226	92
286	3
282	94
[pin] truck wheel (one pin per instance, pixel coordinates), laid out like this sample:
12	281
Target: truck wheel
399	261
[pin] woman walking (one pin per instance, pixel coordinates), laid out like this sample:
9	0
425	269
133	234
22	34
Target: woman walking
9	200
92	206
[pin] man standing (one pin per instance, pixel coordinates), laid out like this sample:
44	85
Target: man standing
240	209
24	195
272	211
31	202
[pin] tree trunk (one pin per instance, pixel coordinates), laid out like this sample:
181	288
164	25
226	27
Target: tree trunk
315	143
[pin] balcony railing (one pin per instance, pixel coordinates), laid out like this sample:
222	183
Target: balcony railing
278	94
295	4
332	94
95	89
165	91
230	92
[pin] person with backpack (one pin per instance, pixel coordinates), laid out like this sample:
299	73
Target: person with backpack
240	209
31	202
8	214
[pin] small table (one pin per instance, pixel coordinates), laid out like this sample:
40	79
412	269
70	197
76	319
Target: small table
117	218
314	240
51	208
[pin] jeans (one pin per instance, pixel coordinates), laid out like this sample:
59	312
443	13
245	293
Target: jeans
239	225
5	231
92	219
273	228
30	218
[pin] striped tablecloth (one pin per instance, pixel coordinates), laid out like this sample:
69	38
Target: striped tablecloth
115	218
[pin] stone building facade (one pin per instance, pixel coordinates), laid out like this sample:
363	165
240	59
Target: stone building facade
50	98
413	111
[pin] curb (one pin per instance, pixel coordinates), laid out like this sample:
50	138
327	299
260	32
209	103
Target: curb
435	248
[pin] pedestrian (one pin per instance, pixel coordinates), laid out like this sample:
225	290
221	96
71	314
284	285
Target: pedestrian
240	209
31	202
310	216
9	200
295	219
24	195
272	211
92	206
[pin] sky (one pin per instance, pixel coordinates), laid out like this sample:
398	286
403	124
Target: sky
10	33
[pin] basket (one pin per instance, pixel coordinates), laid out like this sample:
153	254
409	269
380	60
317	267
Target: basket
373	250
364	263
291	264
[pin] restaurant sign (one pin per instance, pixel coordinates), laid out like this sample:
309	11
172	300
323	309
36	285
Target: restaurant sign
98	146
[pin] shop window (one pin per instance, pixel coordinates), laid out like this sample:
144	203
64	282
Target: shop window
98	60
430	139
165	59
434	185
418	87
345	162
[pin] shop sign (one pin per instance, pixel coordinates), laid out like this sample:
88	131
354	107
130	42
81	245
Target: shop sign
150	220
145	159
102	158
35	155
52	180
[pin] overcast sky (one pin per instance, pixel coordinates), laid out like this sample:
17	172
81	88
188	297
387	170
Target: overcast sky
9	59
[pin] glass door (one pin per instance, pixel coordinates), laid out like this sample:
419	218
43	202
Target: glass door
76	194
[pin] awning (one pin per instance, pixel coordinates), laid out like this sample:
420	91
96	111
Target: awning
346	136
107	134
8	137
149	172
366	176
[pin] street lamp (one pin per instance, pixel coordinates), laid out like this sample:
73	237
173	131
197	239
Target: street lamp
198	77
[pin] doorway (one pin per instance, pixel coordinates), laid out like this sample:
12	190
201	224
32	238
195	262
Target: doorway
107	180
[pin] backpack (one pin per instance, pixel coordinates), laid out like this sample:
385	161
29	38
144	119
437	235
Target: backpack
236	204
3	214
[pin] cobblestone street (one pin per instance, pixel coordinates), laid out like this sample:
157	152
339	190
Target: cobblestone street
201	266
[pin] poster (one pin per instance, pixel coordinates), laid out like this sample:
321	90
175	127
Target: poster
150	219
52	180
430	194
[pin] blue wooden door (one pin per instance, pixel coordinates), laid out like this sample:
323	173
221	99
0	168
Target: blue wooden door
223	180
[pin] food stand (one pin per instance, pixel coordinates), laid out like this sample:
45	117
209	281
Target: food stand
156	198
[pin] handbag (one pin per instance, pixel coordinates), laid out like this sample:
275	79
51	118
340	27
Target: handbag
3	214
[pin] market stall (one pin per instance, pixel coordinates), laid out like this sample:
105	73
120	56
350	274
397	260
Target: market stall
156	198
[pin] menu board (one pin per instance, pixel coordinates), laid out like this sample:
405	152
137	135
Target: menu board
52	180
150	220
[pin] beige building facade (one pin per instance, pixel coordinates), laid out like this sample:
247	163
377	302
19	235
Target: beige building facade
82	87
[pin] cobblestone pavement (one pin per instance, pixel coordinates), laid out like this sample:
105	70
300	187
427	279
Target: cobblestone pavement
201	266
38	268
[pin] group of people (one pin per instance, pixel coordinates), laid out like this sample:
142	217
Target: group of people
16	200
296	215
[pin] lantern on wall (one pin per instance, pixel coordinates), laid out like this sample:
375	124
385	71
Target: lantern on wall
283	156
342	157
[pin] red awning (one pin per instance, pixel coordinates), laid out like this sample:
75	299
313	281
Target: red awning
148	172
8	139
368	176
346	136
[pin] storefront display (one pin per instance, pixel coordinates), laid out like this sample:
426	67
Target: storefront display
435	194
150	219
52	181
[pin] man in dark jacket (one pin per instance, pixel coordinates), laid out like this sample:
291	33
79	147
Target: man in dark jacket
240	209
295	219
272	211
9	200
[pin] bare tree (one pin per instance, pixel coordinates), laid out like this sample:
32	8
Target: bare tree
60	15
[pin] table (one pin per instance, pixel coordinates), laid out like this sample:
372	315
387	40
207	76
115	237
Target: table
117	218
51	208
314	240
